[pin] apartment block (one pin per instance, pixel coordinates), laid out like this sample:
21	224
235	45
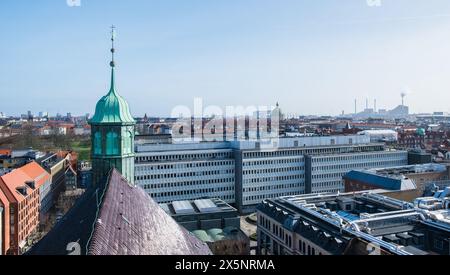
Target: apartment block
21	190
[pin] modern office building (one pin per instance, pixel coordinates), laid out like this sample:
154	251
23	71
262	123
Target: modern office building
174	172
361	223
246	172
325	172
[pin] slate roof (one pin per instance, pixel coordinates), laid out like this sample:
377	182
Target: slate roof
119	219
18	178
131	223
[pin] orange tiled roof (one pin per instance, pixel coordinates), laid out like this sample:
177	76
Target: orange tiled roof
5	152
12	181
36	172
17	179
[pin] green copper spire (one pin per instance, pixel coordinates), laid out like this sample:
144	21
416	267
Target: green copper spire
112	108
112	133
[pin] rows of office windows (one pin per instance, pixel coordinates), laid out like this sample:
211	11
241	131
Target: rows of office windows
272	162
183	165
360	165
273	170
274	179
271	187
225	193
328	176
315	151
194	191
184	157
358	157
187	174
187	183
327	184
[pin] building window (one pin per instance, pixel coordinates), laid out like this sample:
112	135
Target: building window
98	143
112	143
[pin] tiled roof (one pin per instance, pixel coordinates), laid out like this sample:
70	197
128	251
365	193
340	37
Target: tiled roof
5	152
18	178
74	228
119	219
36	172
131	223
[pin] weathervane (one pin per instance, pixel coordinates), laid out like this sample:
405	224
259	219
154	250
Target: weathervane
113	36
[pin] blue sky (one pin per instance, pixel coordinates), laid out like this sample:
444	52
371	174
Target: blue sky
313	56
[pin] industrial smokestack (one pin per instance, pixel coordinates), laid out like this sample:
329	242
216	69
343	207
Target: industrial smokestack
356	106
367	103
374	105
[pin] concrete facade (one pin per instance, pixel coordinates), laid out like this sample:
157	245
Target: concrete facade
244	173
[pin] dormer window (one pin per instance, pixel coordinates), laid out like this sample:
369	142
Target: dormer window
22	190
31	184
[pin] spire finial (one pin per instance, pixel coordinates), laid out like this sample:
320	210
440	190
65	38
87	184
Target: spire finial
113	36
112	63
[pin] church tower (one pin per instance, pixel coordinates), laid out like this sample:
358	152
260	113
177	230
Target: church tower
112	133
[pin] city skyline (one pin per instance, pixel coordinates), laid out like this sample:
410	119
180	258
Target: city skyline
249	53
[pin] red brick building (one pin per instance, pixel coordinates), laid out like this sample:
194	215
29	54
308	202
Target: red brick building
20	193
4	224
